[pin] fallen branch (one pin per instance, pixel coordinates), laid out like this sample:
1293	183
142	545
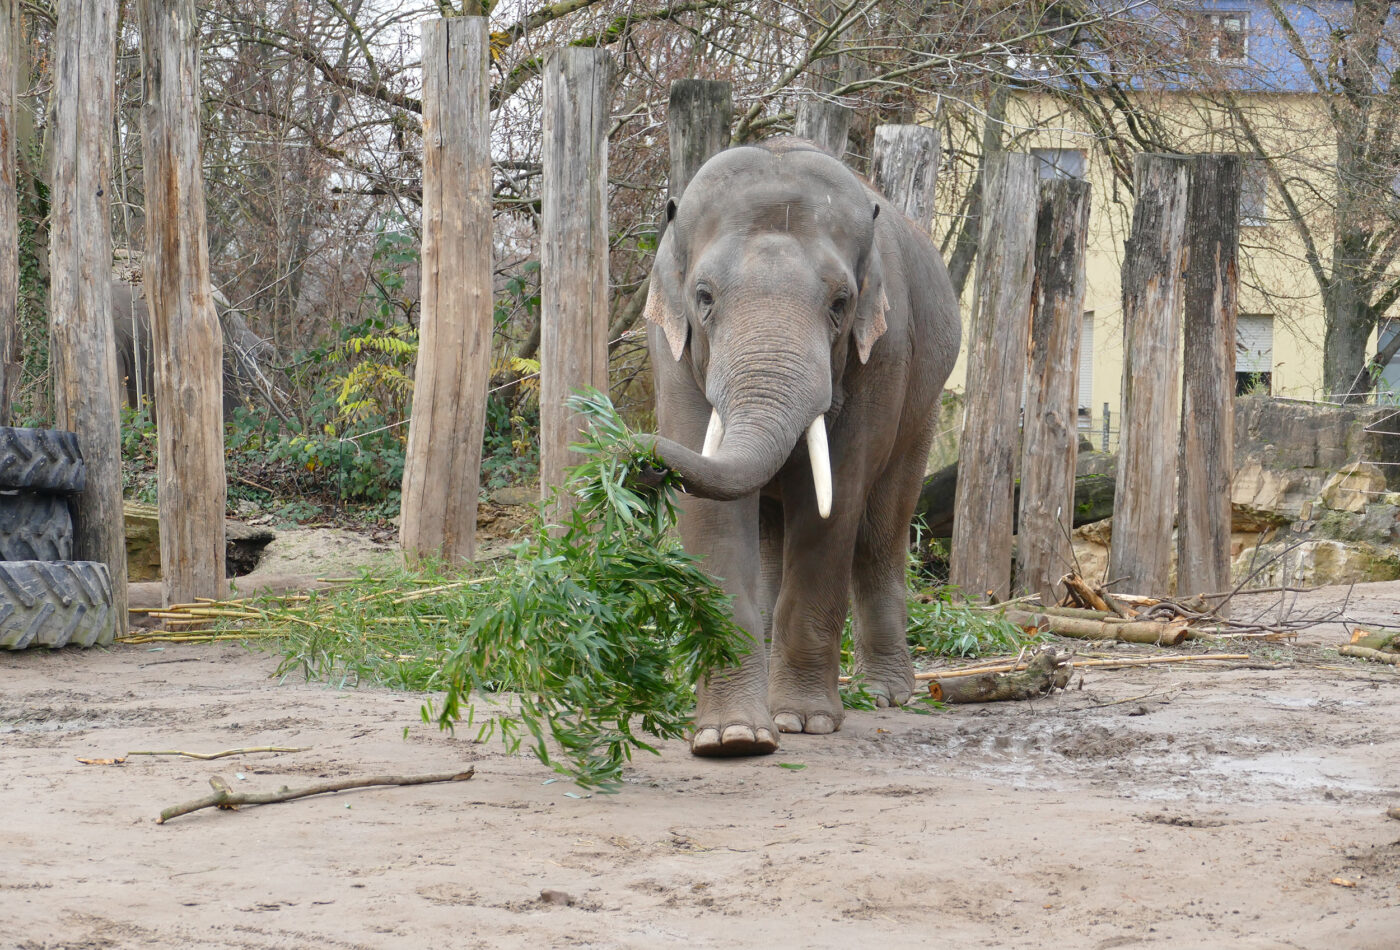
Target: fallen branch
1366	653
1011	667
1087	628
224	798
1044	674
195	755
1082	593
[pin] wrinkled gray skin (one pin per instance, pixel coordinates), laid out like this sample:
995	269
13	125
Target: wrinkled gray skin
784	288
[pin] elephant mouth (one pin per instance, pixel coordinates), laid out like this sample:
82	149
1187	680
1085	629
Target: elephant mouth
817	452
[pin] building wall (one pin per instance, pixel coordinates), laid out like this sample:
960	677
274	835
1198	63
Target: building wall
1275	278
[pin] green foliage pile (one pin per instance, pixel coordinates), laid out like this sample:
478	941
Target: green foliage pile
600	625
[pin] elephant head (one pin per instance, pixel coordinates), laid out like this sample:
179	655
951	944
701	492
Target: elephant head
767	282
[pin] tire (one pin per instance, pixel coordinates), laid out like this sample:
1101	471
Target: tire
47	460
35	527
55	603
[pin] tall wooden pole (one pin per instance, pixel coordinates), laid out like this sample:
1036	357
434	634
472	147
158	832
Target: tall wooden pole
442	468
574	255
83	351
1050	437
1140	555
9	218
1206	460
905	169
697	122
187	345
982	511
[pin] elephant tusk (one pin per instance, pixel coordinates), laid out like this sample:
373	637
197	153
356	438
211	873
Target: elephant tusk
713	434
821	464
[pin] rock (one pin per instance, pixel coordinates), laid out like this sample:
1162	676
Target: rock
561	898
516	495
1353	487
1315	563
244	543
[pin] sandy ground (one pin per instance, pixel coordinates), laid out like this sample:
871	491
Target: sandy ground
1173	806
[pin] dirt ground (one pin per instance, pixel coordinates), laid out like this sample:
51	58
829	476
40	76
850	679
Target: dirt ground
1176	805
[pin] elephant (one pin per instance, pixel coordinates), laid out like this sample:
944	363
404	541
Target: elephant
789	302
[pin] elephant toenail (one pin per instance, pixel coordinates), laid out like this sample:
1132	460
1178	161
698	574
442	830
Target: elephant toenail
881	702
820	724
737	733
765	737
788	722
706	740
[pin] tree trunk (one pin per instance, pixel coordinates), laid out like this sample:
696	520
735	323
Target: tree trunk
574	250
905	169
10	365
187	342
442	464
981	548
1140	557
83	352
965	246
1206	459
1052	389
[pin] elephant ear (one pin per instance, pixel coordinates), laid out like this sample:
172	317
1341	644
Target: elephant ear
870	307
663	306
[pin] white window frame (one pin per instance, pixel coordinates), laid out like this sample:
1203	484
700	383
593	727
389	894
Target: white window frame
1216	20
1254	194
1060	162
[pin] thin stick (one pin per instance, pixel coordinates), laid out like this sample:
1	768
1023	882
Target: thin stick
223	799
205	756
1137	661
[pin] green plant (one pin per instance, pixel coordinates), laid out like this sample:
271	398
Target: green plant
600	625
941	627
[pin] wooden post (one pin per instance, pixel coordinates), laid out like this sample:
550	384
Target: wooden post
442	467
9	218
1051	414
1206	460
1140	555
83	351
574	255
187	344
905	169
824	121
697	121
982	512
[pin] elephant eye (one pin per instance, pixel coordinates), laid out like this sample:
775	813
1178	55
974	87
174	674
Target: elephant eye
838	307
703	299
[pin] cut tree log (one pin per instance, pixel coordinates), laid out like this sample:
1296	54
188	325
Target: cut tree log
1078	589
1365	653
1371	640
1168	634
1045	673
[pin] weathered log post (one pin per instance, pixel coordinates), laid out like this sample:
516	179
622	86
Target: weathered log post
982	519
187	343
1050	431
821	119
905	169
1206	460
574	252
1140	555
697	123
9	218
442	466
83	351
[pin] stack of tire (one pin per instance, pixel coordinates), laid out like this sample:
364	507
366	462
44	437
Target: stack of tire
46	598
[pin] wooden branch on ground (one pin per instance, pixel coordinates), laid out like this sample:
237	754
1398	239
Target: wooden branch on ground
1371	640
1366	653
223	797
1010	666
1081	593
1045	673
204	756
1086	628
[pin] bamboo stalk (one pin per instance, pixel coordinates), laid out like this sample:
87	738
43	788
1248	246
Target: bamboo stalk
1366	653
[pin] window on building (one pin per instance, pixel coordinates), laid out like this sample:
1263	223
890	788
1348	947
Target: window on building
1254	194
1086	372
1059	162
1254	353
1223	35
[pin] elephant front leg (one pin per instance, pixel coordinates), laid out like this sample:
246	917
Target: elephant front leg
805	660
731	716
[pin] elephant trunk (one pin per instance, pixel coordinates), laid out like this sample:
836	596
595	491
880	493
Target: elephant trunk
740	458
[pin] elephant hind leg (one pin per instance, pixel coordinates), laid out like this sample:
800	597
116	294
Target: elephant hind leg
880	611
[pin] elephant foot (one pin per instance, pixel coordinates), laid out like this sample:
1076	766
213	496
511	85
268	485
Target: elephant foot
890	680
813	710
734	739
